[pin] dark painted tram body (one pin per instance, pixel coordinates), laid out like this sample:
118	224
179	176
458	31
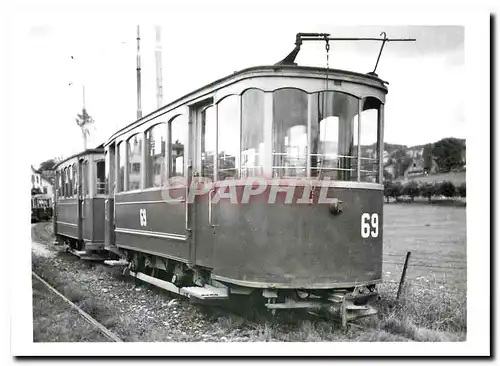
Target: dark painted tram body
308	147
79	201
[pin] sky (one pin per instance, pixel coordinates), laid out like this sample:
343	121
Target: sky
425	101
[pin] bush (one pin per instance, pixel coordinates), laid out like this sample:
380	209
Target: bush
428	190
447	189
411	189
461	190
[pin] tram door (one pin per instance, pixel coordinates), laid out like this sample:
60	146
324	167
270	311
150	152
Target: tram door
80	198
203	136
110	195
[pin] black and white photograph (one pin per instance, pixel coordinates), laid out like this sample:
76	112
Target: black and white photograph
252	179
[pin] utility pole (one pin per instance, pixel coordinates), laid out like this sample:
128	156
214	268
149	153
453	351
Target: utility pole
139	110
159	86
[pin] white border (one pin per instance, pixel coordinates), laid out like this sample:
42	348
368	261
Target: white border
477	114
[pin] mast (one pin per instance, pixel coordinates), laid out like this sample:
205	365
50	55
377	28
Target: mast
139	110
159	86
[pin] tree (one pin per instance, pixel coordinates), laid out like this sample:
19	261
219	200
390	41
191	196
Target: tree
427	157
396	190
428	190
448	153
461	189
83	120
388	188
447	189
411	189
47	165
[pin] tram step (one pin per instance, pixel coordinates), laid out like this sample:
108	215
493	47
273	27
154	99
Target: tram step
79	252
121	262
361	313
207	292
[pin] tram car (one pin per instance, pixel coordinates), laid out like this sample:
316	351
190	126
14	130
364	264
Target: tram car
266	183
41	207
79	201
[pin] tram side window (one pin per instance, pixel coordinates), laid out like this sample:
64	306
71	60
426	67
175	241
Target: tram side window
289	133
228	118
155	155
85	178
100	176
332	128
63	182
75	181
134	146
208	152
177	143
120	185
369	141
252	133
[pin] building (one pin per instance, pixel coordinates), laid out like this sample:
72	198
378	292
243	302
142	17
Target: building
39	183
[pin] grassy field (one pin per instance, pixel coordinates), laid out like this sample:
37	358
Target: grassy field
436	237
55	321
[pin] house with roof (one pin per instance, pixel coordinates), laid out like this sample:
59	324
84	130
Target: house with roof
39	183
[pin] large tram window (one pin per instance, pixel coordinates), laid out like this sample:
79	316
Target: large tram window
120	185
155	157
75	181
134	145
289	133
332	129
369	141
252	133
178	136
100	177
208	143
228	119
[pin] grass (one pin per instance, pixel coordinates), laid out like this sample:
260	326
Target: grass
55	321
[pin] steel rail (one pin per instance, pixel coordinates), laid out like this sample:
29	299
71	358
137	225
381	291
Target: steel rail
109	334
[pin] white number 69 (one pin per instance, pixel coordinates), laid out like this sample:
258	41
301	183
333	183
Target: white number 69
366	220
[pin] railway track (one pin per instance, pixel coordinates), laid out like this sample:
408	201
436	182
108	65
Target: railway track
101	328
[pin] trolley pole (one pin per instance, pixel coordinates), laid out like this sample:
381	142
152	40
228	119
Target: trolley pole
159	81
139	110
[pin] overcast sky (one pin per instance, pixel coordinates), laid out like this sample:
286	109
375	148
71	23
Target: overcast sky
425	101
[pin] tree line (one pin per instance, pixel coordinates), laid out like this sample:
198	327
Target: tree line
428	190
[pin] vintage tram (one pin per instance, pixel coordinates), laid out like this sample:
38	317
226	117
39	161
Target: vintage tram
266	183
79	202
41	207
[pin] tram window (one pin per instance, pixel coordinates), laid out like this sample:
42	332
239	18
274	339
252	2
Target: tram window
75	181
178	136
155	157
121	167
85	178
289	133
228	119
369	141
44	190
63	183
252	133
100	177
134	147
208	153
332	127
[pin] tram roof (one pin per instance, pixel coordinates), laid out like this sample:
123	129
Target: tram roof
97	150
186	98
